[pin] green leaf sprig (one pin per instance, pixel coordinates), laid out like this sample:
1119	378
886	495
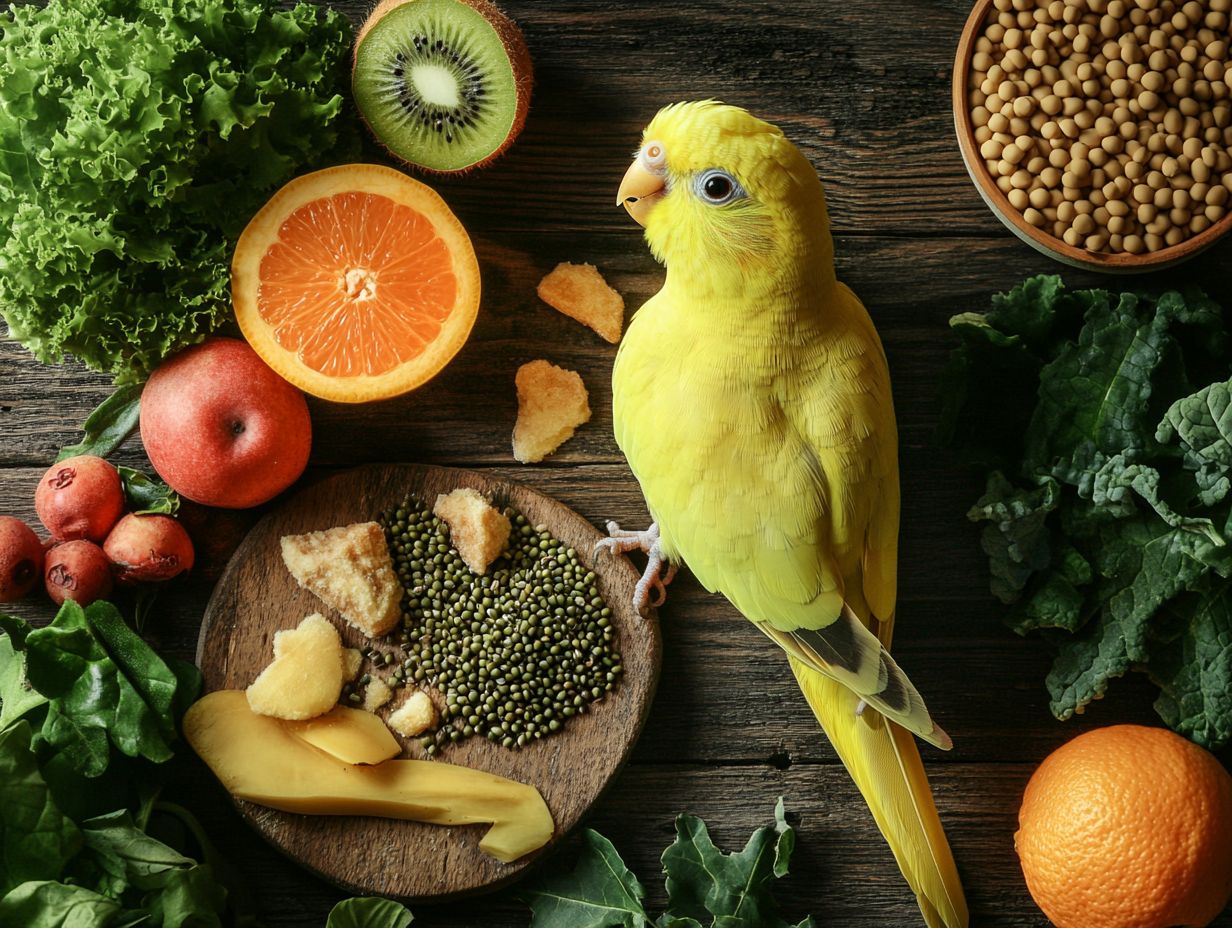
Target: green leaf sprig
706	887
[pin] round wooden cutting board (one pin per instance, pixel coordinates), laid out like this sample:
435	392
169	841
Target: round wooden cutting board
256	597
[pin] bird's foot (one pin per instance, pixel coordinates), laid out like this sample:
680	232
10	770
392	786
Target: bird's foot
659	571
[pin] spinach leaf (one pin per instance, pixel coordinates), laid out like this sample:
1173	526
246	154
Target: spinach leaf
369	912
17	696
147	496
187	898
111	422
47	904
36	839
1107	521
125	855
93	686
106	686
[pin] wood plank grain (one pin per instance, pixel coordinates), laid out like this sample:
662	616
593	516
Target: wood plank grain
863	88
842	871
726	695
466	414
868	106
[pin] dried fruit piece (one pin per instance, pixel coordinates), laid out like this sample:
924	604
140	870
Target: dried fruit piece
580	292
376	694
349	569
352	662
257	759
305	678
415	716
477	530
351	735
552	402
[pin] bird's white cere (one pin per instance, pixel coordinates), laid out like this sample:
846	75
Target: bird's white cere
653	157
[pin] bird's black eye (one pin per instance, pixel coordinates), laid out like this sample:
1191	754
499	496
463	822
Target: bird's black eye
718	187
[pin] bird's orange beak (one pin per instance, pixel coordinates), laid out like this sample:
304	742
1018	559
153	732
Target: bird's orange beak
639	191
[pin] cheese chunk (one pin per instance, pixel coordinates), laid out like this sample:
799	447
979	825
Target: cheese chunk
350	570
477	530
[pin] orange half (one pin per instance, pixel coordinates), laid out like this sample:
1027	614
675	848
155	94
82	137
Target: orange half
355	283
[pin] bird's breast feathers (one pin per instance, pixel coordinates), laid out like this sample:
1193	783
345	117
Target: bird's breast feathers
761	460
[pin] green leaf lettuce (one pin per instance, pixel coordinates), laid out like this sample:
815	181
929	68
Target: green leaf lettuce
137	137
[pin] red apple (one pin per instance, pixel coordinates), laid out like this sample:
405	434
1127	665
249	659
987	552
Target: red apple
223	429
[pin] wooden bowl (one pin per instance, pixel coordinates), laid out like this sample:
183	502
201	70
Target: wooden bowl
1120	263
256	596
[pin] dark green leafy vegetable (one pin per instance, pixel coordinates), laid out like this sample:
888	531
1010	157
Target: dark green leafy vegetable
147	496
48	904
705	886
36	838
369	912
88	714
600	892
133	150
106	688
1107	519
109	424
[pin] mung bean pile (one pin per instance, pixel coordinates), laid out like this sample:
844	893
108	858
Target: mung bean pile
1107	123
513	654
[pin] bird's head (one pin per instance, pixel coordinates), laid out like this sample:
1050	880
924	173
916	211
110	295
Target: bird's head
716	187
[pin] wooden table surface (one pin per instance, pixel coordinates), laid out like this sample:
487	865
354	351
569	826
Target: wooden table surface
863	89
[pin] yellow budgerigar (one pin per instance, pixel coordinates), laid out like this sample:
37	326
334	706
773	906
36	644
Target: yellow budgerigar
752	399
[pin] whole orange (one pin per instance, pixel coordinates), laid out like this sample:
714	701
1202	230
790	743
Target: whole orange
1128	827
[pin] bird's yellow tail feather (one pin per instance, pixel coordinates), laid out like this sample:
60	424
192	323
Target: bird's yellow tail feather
883	760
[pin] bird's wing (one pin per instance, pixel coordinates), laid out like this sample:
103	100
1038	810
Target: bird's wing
823	585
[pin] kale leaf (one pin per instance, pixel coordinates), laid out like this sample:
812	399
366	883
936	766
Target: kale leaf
705	886
1107	519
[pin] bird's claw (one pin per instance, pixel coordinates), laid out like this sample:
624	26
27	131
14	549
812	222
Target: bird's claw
620	541
654	579
659	571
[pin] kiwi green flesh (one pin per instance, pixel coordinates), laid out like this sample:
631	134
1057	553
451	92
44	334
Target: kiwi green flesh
435	84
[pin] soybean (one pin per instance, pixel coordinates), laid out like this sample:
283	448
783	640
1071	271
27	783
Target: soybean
1118	113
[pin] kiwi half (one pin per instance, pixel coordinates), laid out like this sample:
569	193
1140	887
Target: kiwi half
443	84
